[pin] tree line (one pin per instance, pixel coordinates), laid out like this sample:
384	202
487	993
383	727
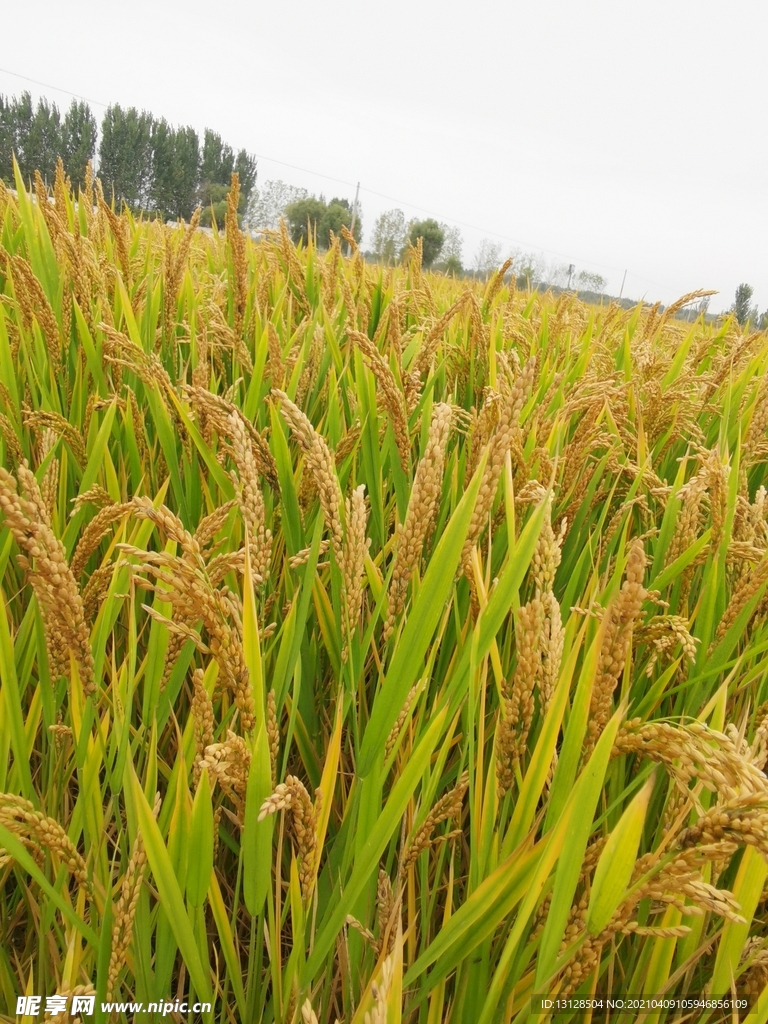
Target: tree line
152	166
308	215
144	161
744	311
38	136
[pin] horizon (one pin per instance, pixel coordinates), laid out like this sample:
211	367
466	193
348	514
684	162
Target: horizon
588	144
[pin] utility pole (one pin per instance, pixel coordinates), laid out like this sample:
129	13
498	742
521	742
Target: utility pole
622	285
354	218
571	269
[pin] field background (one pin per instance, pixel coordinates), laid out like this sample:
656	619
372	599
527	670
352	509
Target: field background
373	646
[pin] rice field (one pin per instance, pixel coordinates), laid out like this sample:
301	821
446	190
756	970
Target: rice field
373	646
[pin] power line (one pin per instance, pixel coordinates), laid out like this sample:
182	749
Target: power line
488	231
305	170
431	213
508	238
452	220
370	191
56	88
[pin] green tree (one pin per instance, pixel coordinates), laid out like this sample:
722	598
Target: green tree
187	178
317	218
304	217
338	214
125	156
143	162
389	236
218	162
741	307
245	165
175	173
43	146
163	167
453	266
432	238
7	138
215	207
78	141
21	115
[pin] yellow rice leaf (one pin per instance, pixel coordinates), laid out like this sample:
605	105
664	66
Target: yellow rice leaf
614	869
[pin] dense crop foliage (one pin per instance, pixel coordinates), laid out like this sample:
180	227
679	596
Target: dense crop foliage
370	643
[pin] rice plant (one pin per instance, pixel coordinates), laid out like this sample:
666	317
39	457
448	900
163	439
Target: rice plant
373	646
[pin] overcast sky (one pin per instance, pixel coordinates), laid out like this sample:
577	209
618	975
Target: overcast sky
615	135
